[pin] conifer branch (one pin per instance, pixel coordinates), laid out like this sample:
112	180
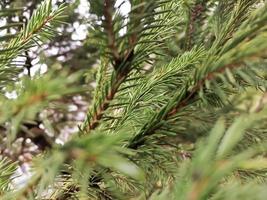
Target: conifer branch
149	109
184	99
184	96
210	76
122	63
141	42
26	38
94	122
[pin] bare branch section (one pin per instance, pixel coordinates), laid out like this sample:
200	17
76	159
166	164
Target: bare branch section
195	14
108	25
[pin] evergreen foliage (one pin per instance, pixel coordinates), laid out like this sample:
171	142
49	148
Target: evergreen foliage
177	109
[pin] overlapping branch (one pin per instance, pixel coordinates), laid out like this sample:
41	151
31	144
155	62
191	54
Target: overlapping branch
187	94
184	99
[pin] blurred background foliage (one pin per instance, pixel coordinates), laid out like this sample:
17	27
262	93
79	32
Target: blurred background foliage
68	53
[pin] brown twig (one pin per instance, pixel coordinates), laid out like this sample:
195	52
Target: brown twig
108	25
195	14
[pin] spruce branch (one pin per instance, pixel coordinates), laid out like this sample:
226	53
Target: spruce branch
192	94
141	135
7	169
182	99
141	42
94	122
210	69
